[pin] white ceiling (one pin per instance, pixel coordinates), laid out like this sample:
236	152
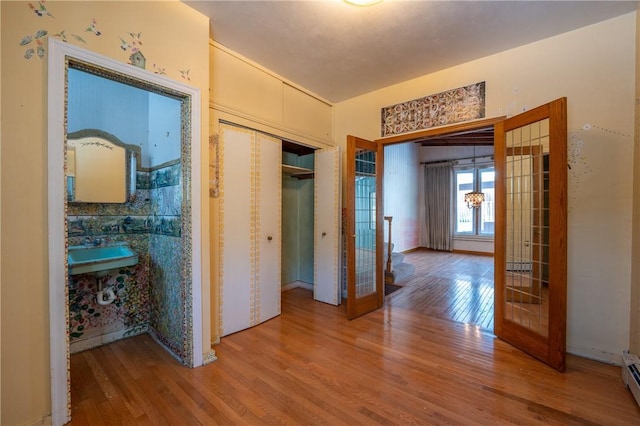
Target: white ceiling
339	51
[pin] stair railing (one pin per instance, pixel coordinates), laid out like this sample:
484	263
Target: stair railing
389	247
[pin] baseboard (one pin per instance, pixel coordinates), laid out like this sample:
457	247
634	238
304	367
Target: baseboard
296	284
476	253
411	250
45	421
209	357
103	339
596	354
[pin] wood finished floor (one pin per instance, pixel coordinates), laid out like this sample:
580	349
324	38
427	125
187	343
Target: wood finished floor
397	365
419	360
452	286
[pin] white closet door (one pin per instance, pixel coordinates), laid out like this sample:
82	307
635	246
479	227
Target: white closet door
268	226
236	248
250	220
327	218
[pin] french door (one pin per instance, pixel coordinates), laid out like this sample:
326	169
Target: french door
531	232
365	291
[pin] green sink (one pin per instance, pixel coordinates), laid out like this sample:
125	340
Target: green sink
87	259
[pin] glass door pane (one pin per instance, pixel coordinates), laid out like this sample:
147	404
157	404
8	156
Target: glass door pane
526	295
364	237
365	223
487	208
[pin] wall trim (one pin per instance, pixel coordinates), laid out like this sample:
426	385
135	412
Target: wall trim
235	116
477	253
595	354
296	284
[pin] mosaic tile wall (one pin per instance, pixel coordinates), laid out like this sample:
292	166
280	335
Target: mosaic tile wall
148	295
167	313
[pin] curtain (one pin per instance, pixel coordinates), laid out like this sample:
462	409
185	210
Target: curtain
437	208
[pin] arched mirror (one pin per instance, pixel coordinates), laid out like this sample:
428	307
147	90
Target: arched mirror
124	172
100	168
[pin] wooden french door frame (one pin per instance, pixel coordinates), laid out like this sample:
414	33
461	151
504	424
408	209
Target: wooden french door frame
358	305
549	348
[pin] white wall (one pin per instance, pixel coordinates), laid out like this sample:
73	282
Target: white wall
149	120
401	174
594	68
165	132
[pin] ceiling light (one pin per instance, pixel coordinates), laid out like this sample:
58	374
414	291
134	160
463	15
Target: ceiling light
362	2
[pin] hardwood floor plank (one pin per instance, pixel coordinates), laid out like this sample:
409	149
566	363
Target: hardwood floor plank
399	365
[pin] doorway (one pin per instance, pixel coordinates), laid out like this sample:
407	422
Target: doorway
61	55
459	160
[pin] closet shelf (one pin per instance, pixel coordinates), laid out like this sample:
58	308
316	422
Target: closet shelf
297	172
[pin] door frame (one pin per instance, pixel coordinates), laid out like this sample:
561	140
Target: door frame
58	54
376	300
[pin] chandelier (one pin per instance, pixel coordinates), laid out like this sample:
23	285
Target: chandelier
473	199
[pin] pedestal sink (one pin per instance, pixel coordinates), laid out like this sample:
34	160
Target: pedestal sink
91	259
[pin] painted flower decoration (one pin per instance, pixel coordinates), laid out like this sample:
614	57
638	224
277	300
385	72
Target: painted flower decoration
37	38
185	74
41	9
92	28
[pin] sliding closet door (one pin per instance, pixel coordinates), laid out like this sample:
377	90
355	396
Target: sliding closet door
237	277
249	221
268	232
326	227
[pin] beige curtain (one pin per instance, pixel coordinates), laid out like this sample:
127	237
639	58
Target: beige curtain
437	208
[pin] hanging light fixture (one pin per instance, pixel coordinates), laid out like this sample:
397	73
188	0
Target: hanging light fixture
474	199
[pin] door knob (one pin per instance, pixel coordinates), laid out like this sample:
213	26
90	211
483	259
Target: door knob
269	238
324	234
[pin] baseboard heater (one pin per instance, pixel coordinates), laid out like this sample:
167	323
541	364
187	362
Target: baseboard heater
631	374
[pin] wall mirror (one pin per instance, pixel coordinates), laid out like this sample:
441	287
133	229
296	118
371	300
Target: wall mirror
129	126
100	168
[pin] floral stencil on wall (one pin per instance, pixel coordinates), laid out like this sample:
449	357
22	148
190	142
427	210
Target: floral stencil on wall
131	43
159	70
452	106
62	35
185	74
214	167
92	28
41	9
39	48
39	35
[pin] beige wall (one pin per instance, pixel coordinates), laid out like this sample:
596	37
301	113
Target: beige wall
174	38
594	68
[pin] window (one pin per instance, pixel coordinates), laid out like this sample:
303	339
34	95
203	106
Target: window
481	220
